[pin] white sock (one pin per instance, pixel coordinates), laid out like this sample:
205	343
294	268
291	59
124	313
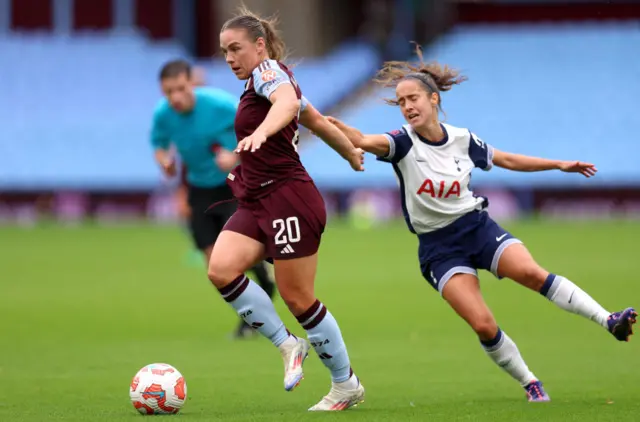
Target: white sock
350	384
288	343
504	352
572	298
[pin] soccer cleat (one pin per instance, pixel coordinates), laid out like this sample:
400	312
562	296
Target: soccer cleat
293	359
536	393
340	398
621	323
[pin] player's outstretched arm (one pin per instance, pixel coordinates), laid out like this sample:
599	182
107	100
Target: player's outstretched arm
375	144
332	136
518	162
284	109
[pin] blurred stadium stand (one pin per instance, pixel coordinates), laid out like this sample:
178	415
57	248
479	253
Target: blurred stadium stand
87	101
548	78
559	91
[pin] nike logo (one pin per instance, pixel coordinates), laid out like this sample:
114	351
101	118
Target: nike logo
501	237
571	297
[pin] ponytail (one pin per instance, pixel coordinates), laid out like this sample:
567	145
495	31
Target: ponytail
433	76
258	27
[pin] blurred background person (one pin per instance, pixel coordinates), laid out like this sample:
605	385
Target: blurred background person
196	124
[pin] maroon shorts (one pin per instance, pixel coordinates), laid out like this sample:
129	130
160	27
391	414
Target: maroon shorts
289	221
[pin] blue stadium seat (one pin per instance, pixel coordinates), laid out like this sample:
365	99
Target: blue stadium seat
76	110
558	91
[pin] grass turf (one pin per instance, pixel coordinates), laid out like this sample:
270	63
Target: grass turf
82	309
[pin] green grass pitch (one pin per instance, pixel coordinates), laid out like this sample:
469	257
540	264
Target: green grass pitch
82	309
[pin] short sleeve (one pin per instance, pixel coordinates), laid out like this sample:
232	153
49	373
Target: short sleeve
159	136
267	77
399	145
480	153
303	103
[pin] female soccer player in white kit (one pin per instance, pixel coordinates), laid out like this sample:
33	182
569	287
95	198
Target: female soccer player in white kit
433	162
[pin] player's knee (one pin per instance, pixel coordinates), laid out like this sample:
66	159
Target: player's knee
296	300
485	326
220	273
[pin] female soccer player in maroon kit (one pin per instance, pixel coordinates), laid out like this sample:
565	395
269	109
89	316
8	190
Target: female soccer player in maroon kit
281	215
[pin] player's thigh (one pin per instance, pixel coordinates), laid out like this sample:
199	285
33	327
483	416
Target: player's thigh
238	248
505	256
517	264
462	292
439	270
295	281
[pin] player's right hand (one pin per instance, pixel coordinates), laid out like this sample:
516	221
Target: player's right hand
356	159
585	169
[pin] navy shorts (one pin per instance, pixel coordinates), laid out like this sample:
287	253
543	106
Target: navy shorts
472	242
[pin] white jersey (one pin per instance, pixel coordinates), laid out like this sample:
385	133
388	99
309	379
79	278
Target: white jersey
434	176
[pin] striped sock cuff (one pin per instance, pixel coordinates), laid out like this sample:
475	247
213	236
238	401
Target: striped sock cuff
546	289
233	290
312	316
494	343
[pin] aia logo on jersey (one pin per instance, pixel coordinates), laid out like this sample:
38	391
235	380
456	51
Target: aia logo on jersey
439	190
268	75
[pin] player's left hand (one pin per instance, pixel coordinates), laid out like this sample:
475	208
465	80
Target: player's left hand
585	169
251	142
356	159
226	160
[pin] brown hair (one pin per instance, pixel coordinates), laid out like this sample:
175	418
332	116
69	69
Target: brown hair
257	27
433	76
175	68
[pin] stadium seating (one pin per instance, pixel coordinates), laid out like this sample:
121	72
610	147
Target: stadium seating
561	91
76	110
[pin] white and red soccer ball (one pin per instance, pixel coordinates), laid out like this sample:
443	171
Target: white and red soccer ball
158	389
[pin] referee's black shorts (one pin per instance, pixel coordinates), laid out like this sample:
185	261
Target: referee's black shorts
206	227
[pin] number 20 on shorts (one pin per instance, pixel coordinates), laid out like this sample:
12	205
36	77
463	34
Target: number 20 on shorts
292	228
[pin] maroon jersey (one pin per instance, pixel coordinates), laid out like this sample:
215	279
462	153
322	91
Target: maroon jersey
277	160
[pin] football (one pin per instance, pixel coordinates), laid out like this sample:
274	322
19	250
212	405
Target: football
158	389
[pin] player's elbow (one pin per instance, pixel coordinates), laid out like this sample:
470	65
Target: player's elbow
504	160
290	106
